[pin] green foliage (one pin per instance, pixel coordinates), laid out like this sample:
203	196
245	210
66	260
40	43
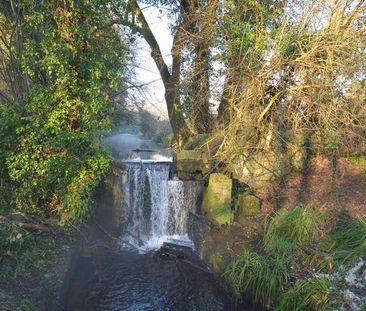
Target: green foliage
265	278
292	239
24	252
9	121
346	242
15	303
30	265
166	139
299	226
310	294
73	59
282	248
259	278
332	140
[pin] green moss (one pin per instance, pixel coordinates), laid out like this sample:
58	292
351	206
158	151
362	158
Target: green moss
247	205
217	199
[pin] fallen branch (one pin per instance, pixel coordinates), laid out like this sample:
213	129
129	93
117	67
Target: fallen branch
29	226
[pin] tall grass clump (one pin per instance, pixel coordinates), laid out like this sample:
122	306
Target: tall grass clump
298	226
307	295
256	277
279	247
347	241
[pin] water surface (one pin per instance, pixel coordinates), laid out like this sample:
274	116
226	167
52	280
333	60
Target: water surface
125	280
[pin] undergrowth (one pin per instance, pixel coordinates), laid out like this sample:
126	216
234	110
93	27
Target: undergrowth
299	226
14	302
310	294
346	242
27	260
295	245
24	252
252	274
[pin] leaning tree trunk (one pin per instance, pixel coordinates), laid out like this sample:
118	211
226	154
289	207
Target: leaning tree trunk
171	81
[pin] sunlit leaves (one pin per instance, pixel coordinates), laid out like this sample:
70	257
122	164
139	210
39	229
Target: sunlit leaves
73	58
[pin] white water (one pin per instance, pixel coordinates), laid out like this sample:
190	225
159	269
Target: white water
155	208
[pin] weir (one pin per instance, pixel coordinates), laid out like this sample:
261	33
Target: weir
155	208
143	206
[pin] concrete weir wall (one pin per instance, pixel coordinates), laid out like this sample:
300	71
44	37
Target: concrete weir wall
109	201
217	218
109	212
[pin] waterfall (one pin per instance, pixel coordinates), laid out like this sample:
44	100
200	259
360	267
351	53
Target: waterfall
155	209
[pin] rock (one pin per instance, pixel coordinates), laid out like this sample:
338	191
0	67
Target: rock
191	162
247	205
175	251
218	263
217	199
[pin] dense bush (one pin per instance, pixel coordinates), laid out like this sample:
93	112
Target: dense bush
72	58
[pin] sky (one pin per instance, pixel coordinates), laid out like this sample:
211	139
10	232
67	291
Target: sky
146	71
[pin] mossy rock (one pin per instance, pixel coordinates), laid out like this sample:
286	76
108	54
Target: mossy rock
247	205
218	263
192	161
217	199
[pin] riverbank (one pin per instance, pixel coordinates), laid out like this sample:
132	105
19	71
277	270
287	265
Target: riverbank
34	257
306	253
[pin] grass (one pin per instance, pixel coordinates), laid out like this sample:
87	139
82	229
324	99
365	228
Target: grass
300	225
346	242
279	247
258	278
24	252
264	278
311	294
293	238
15	303
27	268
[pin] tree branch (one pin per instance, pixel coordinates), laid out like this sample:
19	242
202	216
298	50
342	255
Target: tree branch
156	53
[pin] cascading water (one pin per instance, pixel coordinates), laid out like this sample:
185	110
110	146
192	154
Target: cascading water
154	209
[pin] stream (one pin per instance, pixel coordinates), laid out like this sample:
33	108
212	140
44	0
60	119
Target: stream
134	274
126	280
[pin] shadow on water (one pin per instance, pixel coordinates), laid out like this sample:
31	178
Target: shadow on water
124	280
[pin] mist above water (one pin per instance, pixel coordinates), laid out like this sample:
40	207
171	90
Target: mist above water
126	146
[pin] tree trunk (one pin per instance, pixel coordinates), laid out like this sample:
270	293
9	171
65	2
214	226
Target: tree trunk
171	81
200	92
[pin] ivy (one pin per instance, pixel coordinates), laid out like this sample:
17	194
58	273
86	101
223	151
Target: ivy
73	58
